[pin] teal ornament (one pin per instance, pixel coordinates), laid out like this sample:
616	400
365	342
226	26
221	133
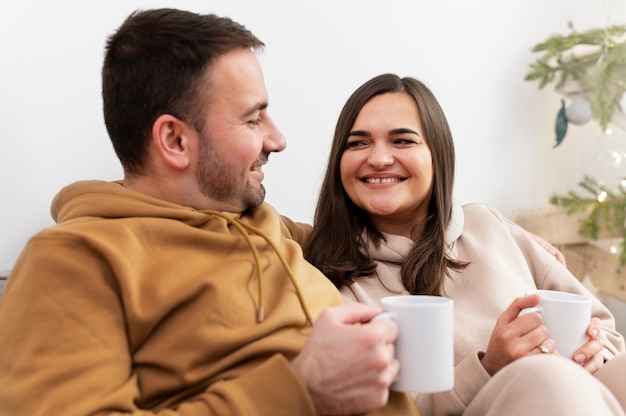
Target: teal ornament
560	127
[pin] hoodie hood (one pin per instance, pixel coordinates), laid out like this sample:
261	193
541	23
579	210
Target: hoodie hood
111	200
85	200
397	247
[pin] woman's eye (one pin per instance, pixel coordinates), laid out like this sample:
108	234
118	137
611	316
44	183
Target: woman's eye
404	141
355	143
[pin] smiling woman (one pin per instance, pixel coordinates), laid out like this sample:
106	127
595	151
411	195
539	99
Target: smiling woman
386	168
371	141
387	224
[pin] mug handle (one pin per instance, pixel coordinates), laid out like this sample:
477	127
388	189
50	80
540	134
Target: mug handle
388	315
537	309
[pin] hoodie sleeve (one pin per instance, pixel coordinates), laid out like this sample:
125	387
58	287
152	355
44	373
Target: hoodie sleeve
299	231
67	350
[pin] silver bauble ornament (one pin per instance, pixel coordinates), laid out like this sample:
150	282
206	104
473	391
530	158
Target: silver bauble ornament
579	111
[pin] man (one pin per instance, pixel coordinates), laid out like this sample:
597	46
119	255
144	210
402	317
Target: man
178	289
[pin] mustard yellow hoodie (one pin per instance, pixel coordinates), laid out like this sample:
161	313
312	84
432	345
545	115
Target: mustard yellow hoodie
133	305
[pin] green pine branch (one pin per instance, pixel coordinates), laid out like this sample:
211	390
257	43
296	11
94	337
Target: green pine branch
601	71
608	212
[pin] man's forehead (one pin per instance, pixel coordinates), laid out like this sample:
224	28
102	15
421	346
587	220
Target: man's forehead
237	78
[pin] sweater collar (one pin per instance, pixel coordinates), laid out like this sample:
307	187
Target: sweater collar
396	247
455	227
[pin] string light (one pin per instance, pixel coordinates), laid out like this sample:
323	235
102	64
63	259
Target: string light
617	157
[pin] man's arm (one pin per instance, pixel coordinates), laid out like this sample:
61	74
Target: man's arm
67	350
348	362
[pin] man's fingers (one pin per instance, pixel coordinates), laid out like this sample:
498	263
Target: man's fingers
353	313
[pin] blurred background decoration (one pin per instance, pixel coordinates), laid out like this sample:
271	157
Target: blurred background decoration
588	69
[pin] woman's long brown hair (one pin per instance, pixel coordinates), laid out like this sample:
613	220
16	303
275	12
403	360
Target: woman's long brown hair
333	246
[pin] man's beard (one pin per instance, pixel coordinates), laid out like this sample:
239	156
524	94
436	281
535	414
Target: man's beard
221	181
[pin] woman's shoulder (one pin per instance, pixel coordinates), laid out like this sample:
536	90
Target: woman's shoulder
485	218
477	210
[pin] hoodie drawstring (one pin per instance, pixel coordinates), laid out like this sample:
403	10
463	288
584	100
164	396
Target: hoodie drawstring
242	227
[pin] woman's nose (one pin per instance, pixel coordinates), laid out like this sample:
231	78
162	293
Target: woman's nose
380	157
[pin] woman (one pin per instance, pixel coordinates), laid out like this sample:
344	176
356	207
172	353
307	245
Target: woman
387	224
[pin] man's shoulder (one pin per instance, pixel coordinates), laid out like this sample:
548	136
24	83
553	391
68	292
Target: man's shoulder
295	230
298	231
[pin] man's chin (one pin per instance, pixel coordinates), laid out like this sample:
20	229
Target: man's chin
256	198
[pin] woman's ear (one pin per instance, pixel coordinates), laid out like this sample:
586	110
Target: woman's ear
172	139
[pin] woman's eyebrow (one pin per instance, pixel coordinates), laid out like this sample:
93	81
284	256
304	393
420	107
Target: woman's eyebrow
360	133
401	130
404	130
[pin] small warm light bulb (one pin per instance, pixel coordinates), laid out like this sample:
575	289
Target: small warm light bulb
617	158
623	182
602	196
608	132
613	249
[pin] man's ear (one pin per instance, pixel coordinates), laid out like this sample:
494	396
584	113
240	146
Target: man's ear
172	139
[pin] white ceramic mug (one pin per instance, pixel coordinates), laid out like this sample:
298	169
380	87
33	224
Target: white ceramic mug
425	344
566	315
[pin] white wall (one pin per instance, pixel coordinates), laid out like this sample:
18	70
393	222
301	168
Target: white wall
473	54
